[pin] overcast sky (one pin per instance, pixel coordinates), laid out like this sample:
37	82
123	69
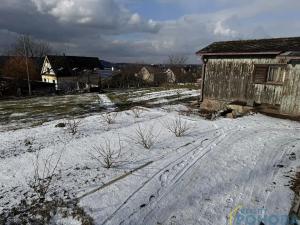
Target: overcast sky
145	30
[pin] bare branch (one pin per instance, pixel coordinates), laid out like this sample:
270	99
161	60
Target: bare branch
145	137
178	127
73	125
34	48
44	173
137	111
109	118
177	59
107	155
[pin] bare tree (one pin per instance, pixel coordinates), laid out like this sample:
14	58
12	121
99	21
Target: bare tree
178	127
15	67
107	155
33	48
177	59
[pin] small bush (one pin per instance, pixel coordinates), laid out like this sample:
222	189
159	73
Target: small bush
178	127
107	155
73	125
44	173
145	137
38	213
109	118
137	111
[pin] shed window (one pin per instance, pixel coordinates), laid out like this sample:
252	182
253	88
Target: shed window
276	74
260	74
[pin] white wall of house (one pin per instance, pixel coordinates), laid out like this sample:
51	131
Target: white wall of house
171	78
146	75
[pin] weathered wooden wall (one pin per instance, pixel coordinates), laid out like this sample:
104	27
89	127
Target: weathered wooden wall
291	91
232	80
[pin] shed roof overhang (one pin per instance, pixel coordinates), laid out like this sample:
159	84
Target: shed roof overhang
200	53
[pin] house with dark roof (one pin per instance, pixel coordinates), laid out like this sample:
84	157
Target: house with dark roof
264	73
71	72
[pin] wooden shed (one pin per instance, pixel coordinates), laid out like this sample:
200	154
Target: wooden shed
264	73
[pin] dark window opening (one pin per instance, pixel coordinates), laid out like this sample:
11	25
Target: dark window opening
269	74
260	74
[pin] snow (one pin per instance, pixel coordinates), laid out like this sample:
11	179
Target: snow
105	102
182	93
195	179
60	220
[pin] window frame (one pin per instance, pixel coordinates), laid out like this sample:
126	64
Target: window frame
269	71
267	75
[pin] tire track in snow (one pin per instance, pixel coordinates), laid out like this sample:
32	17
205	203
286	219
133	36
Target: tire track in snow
277	156
158	174
206	208
176	179
153	177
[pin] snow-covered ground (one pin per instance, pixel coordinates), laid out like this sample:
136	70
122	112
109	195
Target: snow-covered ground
196	179
24	113
167	96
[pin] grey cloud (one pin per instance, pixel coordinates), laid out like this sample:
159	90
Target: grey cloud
106	28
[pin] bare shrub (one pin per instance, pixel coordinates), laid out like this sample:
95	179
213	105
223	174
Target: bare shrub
178	127
73	125
44	173
109	118
145	137
137	111
178	94
107	155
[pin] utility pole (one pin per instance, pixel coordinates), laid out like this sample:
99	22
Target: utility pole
27	69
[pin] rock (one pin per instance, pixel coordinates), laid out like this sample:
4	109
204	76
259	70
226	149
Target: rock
230	115
61	125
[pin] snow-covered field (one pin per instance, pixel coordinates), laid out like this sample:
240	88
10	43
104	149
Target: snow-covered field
24	113
166	96
195	179
155	97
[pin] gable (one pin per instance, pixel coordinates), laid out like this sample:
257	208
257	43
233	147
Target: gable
47	68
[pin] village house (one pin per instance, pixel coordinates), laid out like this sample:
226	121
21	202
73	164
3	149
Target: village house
263	73
183	73
173	73
71	72
152	75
